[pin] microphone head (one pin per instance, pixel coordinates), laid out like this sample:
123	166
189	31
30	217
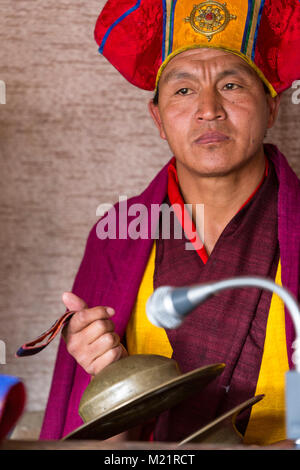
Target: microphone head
160	310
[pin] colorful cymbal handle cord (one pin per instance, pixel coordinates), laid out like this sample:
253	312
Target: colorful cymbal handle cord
38	344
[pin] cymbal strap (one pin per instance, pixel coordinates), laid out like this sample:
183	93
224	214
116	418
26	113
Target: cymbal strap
38	344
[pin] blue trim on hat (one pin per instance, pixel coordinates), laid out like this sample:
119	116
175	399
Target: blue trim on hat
249	15
257	28
172	27
132	9
163	52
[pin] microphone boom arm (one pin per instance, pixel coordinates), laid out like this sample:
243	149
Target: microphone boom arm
168	306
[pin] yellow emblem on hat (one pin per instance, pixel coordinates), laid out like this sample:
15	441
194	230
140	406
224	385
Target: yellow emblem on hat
209	18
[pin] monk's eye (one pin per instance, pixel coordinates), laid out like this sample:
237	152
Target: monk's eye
183	91
231	86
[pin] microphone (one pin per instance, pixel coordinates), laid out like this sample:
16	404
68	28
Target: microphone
168	306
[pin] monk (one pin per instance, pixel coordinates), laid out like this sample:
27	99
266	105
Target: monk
214	112
214	109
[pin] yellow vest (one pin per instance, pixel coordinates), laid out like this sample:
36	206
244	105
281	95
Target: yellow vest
267	419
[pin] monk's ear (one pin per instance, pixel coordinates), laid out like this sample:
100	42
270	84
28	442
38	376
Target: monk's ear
273	108
156	116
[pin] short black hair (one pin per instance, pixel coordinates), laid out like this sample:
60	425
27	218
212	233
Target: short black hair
155	97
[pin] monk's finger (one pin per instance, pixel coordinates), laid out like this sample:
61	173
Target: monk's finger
73	302
110	356
86	355
95	330
85	317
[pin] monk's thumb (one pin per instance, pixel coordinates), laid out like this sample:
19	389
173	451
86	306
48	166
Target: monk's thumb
73	302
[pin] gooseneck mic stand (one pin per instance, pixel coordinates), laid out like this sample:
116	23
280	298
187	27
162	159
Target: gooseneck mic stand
168	306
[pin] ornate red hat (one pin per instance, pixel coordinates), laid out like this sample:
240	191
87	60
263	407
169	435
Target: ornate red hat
139	37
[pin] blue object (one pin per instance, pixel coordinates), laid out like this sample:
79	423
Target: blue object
12	401
292	387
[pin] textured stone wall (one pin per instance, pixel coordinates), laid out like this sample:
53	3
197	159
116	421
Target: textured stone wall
73	135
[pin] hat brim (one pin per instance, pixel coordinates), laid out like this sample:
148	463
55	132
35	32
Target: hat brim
273	92
222	429
147	405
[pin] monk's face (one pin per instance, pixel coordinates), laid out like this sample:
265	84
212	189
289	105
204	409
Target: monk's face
213	110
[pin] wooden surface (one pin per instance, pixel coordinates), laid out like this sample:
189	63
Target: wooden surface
74	134
101	445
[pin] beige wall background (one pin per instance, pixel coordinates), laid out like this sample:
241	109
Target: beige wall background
73	134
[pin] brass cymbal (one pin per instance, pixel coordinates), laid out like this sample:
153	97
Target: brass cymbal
221	430
133	390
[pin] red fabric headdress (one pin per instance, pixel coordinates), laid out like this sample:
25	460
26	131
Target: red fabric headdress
139	36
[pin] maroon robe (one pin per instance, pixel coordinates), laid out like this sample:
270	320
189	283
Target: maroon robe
111	273
229	327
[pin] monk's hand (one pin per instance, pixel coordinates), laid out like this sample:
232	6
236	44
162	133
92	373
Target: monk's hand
90	335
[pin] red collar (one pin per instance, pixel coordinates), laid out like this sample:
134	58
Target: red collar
177	202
